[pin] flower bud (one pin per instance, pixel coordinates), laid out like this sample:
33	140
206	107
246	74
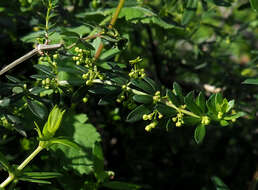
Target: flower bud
53	122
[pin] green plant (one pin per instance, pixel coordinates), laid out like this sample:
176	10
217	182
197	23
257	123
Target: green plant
124	58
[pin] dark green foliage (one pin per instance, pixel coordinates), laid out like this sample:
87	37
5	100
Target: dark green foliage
198	132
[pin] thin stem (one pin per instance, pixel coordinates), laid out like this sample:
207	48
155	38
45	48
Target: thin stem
170	104
47	16
110	26
21	166
7	181
116	14
29	158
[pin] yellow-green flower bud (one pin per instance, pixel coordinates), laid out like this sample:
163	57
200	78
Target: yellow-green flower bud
174	119
85	100
88	82
55	56
205	120
84	76
220	114
54	63
160	116
178	124
53	122
147	128
145	117
77	49
47	80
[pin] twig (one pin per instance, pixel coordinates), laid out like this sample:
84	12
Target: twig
38	49
110	26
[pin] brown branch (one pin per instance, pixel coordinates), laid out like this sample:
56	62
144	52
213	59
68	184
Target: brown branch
110	26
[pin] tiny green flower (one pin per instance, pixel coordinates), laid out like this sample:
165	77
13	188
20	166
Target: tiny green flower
220	114
205	120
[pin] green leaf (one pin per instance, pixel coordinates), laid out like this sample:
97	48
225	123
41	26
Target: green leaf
41	175
223	123
200	101
218	101
80	30
37	108
109	54
143	15
64	141
45	69
13	79
69	33
34	180
211	104
99	162
178	91
83	134
137	113
4	102
251	81
145	99
118	185
254	5
189	12
222	3
32	37
172	97
104	89
231	104
151	82
235	116
199	133
191	105
191	120
17	90
146	87
166	110
219	183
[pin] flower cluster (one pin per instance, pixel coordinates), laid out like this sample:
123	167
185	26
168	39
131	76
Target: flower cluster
83	57
135	71
152	116
178	119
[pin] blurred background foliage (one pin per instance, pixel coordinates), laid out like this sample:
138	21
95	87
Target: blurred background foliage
213	49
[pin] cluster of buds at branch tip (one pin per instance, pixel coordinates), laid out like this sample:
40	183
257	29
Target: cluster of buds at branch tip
178	119
153	115
220	115
135	61
82	57
156	97
205	120
151	126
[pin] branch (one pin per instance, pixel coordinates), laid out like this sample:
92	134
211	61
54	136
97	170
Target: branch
37	50
110	26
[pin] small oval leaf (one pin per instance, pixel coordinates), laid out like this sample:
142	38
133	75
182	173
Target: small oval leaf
145	99
166	110
137	113
199	133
